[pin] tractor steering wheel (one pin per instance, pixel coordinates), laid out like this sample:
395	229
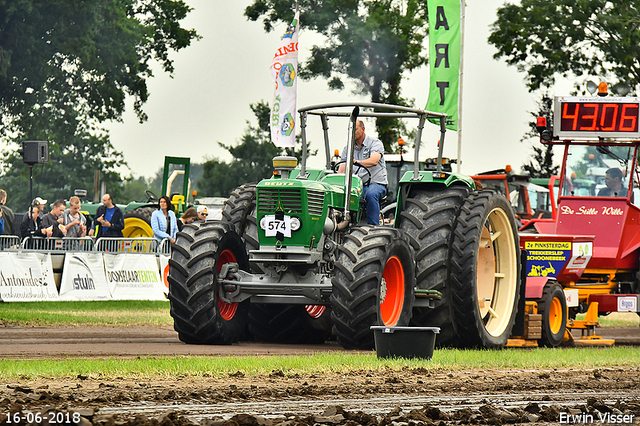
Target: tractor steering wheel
360	166
151	197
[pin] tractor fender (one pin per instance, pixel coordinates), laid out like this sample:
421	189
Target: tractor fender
535	287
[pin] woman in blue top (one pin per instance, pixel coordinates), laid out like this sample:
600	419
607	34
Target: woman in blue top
163	221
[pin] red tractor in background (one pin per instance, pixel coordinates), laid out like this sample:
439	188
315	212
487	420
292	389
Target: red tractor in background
587	259
522	193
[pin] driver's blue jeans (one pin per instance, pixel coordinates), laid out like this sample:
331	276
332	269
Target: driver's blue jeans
372	194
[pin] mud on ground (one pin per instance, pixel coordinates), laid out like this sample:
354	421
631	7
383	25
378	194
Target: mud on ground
410	397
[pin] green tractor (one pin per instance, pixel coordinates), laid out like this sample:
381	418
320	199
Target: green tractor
294	261
137	215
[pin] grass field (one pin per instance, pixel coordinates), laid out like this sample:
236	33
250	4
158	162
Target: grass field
152	313
191	366
109	313
147	313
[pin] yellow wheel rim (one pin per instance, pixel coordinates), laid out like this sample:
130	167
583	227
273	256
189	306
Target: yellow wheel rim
135	228
497	272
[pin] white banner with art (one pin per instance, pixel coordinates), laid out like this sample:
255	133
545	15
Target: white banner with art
26	277
133	277
83	277
284	70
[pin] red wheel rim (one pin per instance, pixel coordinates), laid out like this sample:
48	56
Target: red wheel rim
315	311
392	292
227	310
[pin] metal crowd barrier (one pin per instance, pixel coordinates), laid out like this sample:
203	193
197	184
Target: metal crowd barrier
9	242
127	245
107	245
165	247
57	244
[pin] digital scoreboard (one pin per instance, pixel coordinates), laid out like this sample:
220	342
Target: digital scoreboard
593	117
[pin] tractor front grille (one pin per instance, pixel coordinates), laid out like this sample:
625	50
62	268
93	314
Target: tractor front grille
289	200
315	201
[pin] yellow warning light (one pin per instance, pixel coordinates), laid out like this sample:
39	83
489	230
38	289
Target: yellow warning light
336	153
508	168
400	141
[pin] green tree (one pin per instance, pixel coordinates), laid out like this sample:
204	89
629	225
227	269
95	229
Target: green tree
65	67
252	158
371	43
71	166
554	38
541	163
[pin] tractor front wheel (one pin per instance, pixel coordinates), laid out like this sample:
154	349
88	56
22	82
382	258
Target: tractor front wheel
373	284
200	313
553	308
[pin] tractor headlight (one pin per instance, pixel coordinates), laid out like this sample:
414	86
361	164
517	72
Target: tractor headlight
295	223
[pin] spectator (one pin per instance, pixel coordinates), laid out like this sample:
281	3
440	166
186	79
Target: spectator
74	222
163	221
32	227
8	215
110	219
202	213
188	216
51	222
36	202
1	223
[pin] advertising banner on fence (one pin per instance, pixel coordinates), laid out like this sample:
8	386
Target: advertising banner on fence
26	277
83	277
133	277
164	270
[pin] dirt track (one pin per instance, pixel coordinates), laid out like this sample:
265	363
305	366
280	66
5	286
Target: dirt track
37	342
412	397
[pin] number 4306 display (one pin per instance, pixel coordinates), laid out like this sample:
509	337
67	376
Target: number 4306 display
590	117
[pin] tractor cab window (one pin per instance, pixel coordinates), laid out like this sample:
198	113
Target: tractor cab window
598	171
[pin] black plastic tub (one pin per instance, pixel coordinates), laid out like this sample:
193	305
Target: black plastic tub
405	342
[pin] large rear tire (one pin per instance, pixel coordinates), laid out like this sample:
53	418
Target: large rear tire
199	313
373	284
553	308
297	324
428	218
485	272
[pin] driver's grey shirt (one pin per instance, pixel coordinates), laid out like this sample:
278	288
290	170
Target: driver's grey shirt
379	171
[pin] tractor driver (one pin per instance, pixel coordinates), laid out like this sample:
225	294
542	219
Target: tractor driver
613	180
368	153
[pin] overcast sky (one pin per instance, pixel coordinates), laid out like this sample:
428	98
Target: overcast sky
217	78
